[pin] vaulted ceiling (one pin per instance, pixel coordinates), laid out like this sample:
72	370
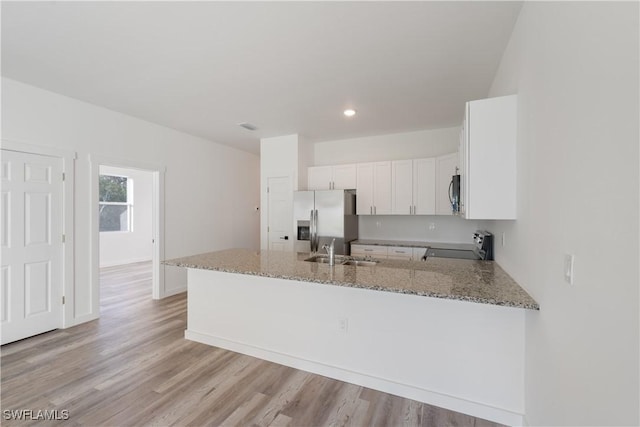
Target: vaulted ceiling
285	67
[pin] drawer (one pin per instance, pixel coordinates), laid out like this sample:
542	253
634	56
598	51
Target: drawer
400	252
371	250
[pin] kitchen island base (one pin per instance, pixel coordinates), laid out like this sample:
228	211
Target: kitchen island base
462	356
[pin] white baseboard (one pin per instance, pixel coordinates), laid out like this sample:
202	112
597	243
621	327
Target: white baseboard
125	262
171	292
404	390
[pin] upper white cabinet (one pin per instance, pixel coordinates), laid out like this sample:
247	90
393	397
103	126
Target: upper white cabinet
446	167
488	159
424	186
373	186
402	187
413	184
338	177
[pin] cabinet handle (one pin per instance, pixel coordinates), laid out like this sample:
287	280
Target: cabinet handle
375	210
368	250
370	210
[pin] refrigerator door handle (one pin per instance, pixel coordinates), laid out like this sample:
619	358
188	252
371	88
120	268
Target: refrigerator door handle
311	232
315	230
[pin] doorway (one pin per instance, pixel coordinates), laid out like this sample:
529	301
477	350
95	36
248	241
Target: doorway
121	214
125	210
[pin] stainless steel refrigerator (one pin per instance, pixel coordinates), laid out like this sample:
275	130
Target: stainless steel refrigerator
321	216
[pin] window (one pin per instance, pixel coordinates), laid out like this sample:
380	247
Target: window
115	203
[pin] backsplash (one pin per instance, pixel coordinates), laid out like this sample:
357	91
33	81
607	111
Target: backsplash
451	229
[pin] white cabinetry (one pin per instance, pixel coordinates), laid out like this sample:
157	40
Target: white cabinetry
446	167
387	252
413	186
400	252
338	177
488	159
373	186
402	187
424	186
374	251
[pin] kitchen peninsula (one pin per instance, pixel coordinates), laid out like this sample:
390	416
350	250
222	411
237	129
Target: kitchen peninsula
448	332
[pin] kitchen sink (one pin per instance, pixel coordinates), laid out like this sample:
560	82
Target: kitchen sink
323	259
360	263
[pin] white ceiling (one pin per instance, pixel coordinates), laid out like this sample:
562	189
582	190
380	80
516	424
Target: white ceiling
286	67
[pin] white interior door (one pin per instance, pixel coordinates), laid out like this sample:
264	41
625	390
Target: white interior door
280	213
32	217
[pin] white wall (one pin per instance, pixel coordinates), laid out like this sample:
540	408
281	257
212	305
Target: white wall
451	229
279	157
117	248
210	189
575	69
399	146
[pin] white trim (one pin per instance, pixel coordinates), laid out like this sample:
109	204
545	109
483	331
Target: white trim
158	171
404	390
175	291
127	262
68	214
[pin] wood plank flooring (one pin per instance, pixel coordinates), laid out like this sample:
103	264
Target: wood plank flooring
134	367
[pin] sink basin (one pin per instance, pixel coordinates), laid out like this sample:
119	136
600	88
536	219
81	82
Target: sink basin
360	263
323	259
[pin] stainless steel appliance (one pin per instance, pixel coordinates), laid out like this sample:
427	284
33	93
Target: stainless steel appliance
454	194
483	244
481	249
321	216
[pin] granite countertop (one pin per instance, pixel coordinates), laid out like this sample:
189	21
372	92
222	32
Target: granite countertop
414	244
457	279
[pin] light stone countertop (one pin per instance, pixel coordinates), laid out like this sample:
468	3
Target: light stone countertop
465	280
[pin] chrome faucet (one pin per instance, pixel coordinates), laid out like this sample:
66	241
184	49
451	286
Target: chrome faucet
331	251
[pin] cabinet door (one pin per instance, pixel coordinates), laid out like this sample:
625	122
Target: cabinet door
491	158
424	186
344	177
382	188
402	187
364	189
319	177
445	168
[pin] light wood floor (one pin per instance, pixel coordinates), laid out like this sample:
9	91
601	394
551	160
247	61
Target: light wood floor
134	367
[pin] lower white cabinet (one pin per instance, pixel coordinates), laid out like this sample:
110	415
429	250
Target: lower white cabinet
374	251
387	252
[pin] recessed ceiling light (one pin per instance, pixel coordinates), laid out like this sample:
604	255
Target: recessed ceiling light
349	113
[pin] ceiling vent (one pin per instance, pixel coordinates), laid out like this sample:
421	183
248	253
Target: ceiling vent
247	126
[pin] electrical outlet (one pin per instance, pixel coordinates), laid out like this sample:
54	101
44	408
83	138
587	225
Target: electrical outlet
568	268
432	226
343	324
